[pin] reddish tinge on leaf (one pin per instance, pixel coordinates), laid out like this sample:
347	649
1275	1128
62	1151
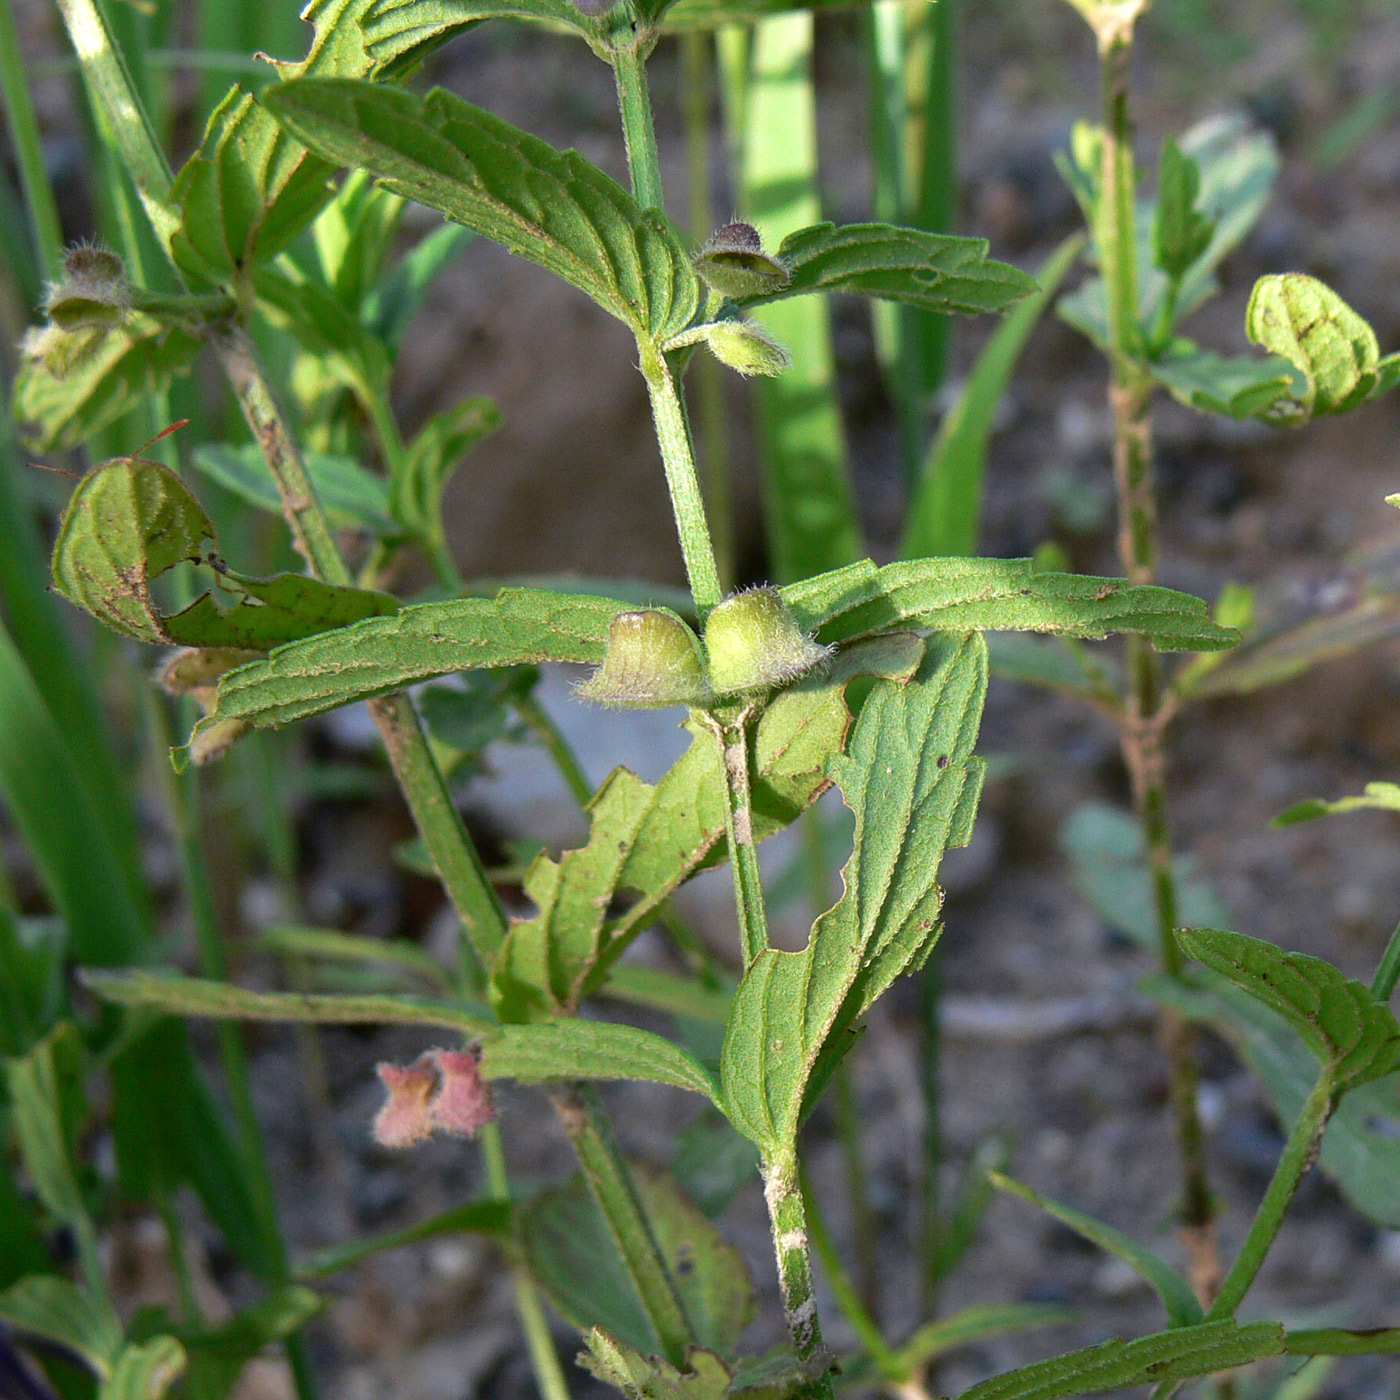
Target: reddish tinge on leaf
441	1091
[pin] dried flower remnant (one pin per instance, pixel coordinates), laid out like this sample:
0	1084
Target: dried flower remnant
441	1091
733	262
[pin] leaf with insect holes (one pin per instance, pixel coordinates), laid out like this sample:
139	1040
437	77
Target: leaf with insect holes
72	384
1181	230
910	778
1383	797
251	187
129	521
572	1256
1335	350
649	839
935	271
1353	1034
951	594
1161	1359
1183	1308
552	207
50	1309
144	1371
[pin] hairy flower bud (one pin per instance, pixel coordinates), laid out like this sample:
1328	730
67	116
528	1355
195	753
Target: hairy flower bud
442	1091
747	348
753	642
653	659
93	291
733	262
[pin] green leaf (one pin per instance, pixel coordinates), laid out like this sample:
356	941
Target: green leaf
973	1324
641	1377
577	1049
1180	1354
1239	386
1384	797
1181	231
911	780
71	385
669	992
517	627
551	207
250	188
945	514
572	1256
1361	1149
485	1217
144	1372
353	497
398	33
477	710
218	1355
47	1109
193	996
1337	1341
1183	1309
931	270
129	521
331	945
1352	1034
997	595
431	458
51	1309
1054	664
1109	869
1308	324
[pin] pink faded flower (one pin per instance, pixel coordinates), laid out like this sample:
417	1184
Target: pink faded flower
441	1091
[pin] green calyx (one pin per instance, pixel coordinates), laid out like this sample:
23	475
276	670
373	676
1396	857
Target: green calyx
754	643
652	660
734	264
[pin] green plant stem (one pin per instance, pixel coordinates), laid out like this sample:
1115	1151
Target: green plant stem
709	382
28	148
544	1359
1388	973
115	96
634	101
557	746
611	1186
787	1216
687	503
733	741
1144	724
1299	1153
862	1322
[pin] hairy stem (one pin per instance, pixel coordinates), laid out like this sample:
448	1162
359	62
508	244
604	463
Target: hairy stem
733	741
634	101
1299	1153
1144	724
687	503
544	1359
787	1216
611	1186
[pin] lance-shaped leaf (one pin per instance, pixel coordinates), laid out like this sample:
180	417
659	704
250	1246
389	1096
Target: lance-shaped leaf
913	784
552	207
1352	1033
649	839
571	1048
251	187
1384	797
1361	1149
50	1309
46	1109
72	384
1181	231
573	1257
951	594
1183	1308
1160	1359
485	1217
1333	348
129	521
932	270
1238	386
195	996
